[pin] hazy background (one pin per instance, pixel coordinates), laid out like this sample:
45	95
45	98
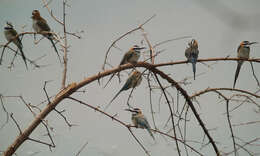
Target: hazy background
219	26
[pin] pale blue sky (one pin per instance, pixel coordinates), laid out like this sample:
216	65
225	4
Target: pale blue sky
218	27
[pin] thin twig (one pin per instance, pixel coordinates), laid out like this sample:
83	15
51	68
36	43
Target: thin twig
174	39
73	34
230	126
149	44
5	110
49	135
44	88
138	141
64	117
150	99
252	67
41	142
65	48
246	123
229	121
50	12
81	149
227	89
20	131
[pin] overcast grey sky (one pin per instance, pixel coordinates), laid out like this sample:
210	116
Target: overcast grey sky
218	26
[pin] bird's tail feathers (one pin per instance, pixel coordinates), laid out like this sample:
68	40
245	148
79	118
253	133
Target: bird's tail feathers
109	80
54	46
23	56
239	64
112	100
150	132
193	62
19	44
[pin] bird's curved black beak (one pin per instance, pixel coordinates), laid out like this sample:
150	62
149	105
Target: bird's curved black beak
139	48
253	43
128	110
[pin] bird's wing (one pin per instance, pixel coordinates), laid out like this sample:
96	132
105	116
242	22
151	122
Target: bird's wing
187	53
128	83
13	32
142	121
43	25
126	57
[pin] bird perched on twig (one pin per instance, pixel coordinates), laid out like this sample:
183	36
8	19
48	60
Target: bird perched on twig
40	26
243	51
131	56
140	121
133	81
11	35
192	53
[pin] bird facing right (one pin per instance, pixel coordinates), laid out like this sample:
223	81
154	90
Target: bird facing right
243	52
40	25
192	53
131	56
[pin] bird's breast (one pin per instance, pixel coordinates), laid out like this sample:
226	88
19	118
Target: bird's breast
36	27
8	35
243	52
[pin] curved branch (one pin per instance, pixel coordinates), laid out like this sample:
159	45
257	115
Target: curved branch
229	89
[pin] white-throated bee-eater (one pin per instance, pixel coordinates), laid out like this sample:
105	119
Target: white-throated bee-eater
140	121
40	25
192	53
11	35
243	52
131	56
133	81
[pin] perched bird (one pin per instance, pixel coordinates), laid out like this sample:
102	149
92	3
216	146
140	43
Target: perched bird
11	35
243	51
140	121
133	81
131	56
40	25
192	53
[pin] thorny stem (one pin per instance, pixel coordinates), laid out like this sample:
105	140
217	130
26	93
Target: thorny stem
171	113
149	44
65	48
229	121
230	127
254	74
